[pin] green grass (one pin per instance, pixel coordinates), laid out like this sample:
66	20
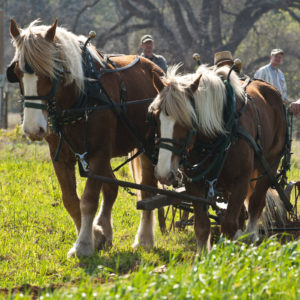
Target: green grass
36	233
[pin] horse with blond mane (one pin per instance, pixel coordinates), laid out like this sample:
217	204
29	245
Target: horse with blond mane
205	134
50	65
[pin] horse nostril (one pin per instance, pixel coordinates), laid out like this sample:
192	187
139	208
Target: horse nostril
171	177
41	131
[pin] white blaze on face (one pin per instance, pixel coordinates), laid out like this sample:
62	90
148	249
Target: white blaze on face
34	119
164	164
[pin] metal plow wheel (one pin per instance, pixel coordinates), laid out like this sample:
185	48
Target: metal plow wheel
276	219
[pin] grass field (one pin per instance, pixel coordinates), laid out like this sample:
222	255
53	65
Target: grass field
36	233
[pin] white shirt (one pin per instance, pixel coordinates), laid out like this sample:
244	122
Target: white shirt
273	76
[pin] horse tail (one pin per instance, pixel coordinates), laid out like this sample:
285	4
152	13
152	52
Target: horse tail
136	170
274	213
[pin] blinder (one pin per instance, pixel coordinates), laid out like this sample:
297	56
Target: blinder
150	119
28	68
10	73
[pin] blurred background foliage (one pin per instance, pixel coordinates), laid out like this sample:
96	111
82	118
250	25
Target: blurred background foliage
248	28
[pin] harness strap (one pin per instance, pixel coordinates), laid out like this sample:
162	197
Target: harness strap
120	113
128	160
35	105
47	97
103	71
258	151
183	143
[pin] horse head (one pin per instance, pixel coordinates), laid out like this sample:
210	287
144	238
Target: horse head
31	83
48	66
173	110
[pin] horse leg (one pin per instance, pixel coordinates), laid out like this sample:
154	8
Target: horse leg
257	203
143	173
230	222
201	227
103	222
201	219
65	173
84	246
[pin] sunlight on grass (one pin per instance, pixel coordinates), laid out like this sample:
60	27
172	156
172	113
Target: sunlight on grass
36	233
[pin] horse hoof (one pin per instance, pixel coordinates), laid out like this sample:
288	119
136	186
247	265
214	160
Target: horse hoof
238	234
147	245
71	252
100	241
81	250
253	237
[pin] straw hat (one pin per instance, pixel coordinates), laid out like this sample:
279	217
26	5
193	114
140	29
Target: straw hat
223	57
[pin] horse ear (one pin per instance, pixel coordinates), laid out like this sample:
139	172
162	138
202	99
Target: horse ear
157	82
194	86
14	29
51	32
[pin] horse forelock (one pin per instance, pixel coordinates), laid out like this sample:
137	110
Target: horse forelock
49	58
210	98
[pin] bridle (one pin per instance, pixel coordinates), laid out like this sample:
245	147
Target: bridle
215	152
177	146
50	97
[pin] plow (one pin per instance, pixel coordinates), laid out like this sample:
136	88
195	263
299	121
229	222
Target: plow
175	207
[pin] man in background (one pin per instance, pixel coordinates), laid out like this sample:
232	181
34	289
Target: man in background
273	75
147	45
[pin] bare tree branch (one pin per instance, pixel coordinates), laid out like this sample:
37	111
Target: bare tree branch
191	16
133	9
226	11
216	25
248	16
105	37
153	15
179	19
293	15
253	65
81	11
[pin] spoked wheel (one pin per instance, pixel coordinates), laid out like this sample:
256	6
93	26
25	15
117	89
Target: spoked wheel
171	217
276	219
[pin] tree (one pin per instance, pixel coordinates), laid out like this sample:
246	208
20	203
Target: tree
248	28
206	26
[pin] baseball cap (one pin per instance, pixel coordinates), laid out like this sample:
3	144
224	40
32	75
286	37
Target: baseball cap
276	51
146	38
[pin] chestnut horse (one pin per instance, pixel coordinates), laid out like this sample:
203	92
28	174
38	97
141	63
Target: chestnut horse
48	64
189	111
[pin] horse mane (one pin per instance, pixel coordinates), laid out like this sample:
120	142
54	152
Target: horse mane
49	58
210	98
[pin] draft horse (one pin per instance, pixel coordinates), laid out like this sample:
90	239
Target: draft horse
53	66
206	136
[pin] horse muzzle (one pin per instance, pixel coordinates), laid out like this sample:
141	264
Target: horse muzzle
168	179
35	135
